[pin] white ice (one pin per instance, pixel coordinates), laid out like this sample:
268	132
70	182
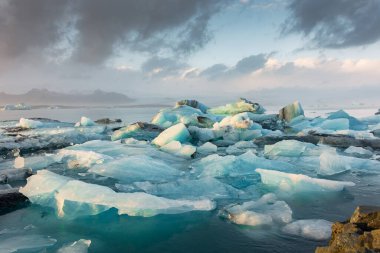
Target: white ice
310	229
177	132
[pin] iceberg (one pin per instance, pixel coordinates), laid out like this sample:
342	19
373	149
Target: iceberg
81	158
73	198
85	122
80	246
177	132
176	148
136	168
207	148
332	163
291	111
265	211
192	103
138	130
300	183
242	105
290	148
311	229
354	123
359	152
241	147
335	124
29	123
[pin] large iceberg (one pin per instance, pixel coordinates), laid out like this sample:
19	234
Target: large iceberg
299	183
73	198
242	105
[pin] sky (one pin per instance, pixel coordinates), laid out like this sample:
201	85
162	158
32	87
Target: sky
187	48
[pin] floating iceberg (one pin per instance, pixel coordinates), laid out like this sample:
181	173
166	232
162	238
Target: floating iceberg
291	111
136	168
73	198
310	229
299	183
265	211
359	152
331	163
85	122
29	123
243	105
177	132
138	130
176	148
207	148
80	246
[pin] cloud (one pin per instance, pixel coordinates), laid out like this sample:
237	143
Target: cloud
251	63
92	31
335	24
163	67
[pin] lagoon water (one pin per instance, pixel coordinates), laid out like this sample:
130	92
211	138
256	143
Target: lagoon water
188	232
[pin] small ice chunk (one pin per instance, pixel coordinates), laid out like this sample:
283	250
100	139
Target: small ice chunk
264	211
177	132
80	246
300	183
176	148
82	158
241	121
19	162
358	151
29	123
330	163
241	147
207	148
311	229
290	148
85	122
242	105
335	124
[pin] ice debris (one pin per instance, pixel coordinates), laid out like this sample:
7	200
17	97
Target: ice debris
177	132
288	182
29	123
138	130
311	229
80	246
265	211
242	105
291	111
85	122
73	198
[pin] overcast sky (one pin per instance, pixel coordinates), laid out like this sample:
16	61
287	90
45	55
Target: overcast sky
186	48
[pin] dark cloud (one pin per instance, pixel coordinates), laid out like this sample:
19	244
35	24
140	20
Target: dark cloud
251	63
91	31
335	23
215	71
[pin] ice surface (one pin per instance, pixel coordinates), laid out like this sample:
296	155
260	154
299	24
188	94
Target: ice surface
241	147
85	122
25	243
29	123
331	163
35	162
358	151
291	111
136	168
299	183
81	158
265	211
335	124
177	132
139	130
242	105
192	103
291	148
310	229
354	123
176	148
80	246
73	198
207	148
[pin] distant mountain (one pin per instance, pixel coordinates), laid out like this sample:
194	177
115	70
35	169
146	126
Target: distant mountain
46	97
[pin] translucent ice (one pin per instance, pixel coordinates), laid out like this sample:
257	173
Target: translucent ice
291	148
331	163
176	148
81	158
25	243
265	211
138	130
354	123
358	151
207	148
73	198
29	123
85	122
310	229
299	183
177	132
80	246
335	124
136	168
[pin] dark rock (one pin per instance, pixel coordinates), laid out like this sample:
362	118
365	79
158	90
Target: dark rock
361	233
378	112
107	121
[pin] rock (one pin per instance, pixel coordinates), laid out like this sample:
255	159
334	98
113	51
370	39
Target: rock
107	121
361	233
291	111
378	112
